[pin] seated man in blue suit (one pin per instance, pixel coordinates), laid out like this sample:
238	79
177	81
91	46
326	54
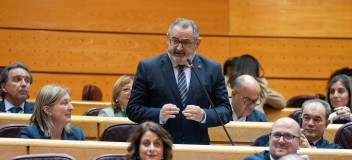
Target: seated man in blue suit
315	114
245	96
285	138
15	80
166	91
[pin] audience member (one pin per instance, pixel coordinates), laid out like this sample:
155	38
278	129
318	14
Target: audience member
284	139
247	64
15	80
245	96
315	114
339	97
150	141
120	96
165	90
52	115
229	63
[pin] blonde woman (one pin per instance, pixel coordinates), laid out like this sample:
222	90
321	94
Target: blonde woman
52	115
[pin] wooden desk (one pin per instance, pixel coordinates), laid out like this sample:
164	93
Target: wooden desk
90	149
273	114
93	127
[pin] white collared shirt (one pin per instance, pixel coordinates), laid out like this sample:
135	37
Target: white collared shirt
8	106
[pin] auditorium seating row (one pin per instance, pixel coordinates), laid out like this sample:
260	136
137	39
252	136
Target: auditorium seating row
93	127
11	147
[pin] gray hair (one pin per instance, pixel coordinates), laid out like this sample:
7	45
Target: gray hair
185	23
4	77
324	103
49	95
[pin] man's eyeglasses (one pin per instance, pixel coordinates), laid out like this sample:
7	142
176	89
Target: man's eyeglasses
247	101
185	43
287	137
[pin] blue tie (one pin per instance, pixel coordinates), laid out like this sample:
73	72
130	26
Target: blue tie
182	84
15	109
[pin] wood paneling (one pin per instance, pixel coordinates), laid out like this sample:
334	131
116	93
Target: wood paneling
75	82
297	18
11	147
296	58
115	15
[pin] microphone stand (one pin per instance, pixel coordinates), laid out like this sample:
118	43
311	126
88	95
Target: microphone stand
210	101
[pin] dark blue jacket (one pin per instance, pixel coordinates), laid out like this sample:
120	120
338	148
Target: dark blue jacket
256	116
155	85
322	143
34	132
28	107
264	155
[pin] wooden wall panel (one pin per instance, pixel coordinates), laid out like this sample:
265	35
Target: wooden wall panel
293	87
115	15
75	82
76	52
296	58
297	18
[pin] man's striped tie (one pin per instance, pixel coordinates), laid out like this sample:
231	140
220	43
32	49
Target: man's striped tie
182	84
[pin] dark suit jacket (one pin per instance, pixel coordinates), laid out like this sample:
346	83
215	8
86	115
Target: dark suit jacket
264	155
155	85
322	143
256	116
34	132
28	107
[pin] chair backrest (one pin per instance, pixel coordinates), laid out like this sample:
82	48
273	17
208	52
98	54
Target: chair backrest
11	130
110	157
297	101
343	136
118	132
44	156
295	114
91	93
93	111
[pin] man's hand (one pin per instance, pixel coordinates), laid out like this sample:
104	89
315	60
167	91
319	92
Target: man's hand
305	143
168	111
194	113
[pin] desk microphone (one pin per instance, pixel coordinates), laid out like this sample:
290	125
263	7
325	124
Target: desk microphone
211	102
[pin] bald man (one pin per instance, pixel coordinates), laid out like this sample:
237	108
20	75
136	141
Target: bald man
245	96
284	139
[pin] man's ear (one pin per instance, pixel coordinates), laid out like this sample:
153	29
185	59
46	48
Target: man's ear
327	123
198	42
3	87
233	93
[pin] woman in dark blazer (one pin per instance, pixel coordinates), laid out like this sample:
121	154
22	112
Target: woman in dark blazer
52	115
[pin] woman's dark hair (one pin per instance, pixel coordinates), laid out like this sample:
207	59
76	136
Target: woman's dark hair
229	63
245	64
136	136
345	80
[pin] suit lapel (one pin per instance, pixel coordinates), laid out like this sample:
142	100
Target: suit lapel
2	106
194	84
168	73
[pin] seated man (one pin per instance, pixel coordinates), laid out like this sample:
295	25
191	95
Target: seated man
15	80
284	139
315	114
245	96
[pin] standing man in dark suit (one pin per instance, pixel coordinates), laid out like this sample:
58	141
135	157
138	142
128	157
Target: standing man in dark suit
165	90
15	80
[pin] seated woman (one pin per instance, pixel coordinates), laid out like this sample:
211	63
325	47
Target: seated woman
120	96
52	115
247	64
150	141
339	97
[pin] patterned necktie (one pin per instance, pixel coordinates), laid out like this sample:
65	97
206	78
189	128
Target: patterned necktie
15	109
182	84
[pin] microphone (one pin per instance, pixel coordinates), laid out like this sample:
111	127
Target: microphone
210	101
